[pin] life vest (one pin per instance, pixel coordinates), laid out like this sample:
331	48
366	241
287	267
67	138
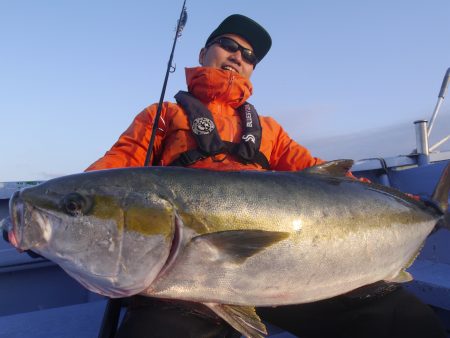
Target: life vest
208	139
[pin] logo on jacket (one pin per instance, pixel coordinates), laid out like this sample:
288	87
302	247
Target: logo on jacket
248	116
249	138
202	126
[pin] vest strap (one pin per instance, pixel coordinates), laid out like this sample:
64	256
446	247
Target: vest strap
187	158
258	158
251	134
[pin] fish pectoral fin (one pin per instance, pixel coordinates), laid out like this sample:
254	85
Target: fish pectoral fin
337	168
243	318
238	245
402	277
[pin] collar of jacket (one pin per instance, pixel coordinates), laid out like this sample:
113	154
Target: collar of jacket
218	86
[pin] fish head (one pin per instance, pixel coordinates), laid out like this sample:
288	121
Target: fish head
109	236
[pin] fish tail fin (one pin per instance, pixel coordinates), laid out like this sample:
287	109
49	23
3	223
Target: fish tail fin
440	197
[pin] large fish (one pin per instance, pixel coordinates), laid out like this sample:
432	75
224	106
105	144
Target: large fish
230	240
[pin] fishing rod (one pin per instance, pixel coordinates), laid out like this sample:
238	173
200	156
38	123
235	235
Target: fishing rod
170	69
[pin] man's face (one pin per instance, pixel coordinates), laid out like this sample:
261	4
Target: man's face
217	57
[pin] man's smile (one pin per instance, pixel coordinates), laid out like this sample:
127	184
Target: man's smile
230	68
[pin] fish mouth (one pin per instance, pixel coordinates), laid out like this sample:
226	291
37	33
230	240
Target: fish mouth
26	218
6	227
16	212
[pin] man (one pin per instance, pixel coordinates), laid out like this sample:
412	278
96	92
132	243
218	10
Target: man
213	127
222	84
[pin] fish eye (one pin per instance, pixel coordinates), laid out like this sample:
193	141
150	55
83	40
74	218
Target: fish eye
75	204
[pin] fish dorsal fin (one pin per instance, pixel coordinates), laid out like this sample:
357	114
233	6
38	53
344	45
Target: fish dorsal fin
238	245
440	194
333	168
402	277
243	318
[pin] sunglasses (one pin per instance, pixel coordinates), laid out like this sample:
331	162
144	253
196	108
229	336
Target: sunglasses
232	46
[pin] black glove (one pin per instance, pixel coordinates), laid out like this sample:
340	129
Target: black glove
33	254
430	203
5	235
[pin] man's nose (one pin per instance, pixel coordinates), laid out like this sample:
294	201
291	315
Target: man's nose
236	57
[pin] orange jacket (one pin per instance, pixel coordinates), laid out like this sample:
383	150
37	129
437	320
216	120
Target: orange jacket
222	92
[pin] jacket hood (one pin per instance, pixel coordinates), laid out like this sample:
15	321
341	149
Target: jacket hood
221	86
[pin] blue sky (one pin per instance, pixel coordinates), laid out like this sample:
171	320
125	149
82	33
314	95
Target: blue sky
73	74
